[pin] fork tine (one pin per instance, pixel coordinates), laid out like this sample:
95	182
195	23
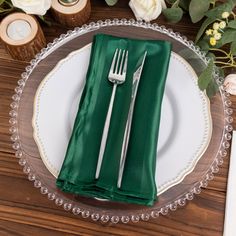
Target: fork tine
122	62
117	62
113	61
125	63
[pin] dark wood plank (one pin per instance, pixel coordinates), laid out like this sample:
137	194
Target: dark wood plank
24	211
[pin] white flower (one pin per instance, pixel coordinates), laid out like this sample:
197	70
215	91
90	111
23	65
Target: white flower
35	7
217	36
225	15
230	84
147	10
209	32
222	24
215	32
216	26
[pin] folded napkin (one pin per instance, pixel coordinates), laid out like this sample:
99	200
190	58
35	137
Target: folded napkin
77	174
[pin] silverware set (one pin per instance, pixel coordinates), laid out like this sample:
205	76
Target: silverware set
117	76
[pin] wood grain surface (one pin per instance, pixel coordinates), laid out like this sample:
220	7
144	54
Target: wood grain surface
24	211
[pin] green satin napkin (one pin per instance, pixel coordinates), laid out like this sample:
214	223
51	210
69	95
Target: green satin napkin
77	174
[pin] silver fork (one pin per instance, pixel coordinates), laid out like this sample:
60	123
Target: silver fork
117	76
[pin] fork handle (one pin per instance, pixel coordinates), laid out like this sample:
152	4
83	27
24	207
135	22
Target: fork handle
105	132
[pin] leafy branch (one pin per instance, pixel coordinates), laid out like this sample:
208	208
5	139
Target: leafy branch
216	36
5	7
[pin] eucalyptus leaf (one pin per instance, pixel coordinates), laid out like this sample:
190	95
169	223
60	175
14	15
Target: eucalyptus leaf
232	24
212	88
197	9
9	3
211	55
204	45
185	4
233	48
4	10
221	72
173	15
228	36
216	12
111	2
203	28
176	4
206	76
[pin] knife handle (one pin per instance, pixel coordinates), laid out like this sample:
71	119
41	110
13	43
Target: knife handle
125	143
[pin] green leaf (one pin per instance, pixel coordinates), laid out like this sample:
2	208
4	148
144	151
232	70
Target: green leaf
211	55
233	2
221	72
9	3
111	2
206	76
176	4
184	4
2	10
173	15
232	24
233	48
212	88
228	36
204	26
203	44
216	12
1	2
197	9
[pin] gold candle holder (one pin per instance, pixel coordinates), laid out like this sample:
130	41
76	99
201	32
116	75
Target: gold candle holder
71	13
22	36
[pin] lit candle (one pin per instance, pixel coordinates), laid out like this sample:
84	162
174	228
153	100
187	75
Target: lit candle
22	36
18	30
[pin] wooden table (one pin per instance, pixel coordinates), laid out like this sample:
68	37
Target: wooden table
24	211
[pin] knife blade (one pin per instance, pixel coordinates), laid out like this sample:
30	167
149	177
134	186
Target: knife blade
135	84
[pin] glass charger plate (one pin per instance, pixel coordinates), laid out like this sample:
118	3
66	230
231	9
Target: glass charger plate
27	150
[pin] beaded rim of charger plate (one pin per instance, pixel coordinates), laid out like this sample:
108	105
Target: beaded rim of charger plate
108	216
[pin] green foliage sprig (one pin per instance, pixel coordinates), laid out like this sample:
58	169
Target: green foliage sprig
5	7
216	36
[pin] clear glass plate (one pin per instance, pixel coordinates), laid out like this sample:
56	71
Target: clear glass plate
28	153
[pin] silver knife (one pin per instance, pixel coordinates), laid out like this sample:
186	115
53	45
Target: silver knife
136	79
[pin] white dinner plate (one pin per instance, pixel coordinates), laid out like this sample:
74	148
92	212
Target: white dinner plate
185	128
